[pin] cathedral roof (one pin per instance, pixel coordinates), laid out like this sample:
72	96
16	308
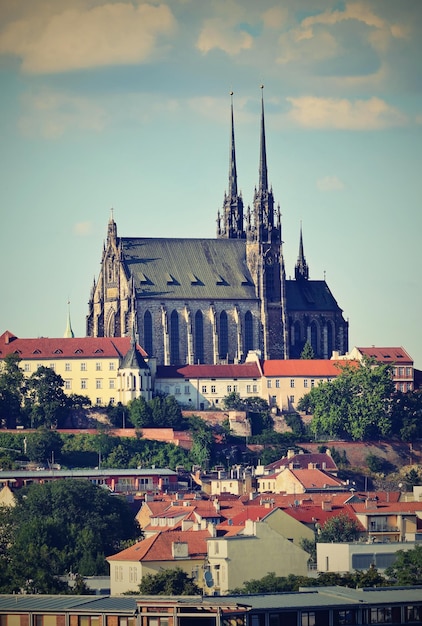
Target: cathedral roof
310	295
241	370
189	268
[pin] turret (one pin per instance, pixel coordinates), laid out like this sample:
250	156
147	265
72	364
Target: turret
301	268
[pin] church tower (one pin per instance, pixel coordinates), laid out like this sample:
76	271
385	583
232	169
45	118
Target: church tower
230	224
265	258
301	268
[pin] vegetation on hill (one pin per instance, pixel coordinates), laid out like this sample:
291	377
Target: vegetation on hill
169	582
60	527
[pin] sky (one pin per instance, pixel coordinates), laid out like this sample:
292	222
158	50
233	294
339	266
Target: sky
125	105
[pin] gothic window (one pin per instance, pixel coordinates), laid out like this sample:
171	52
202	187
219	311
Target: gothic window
174	338
314	338
148	333
223	347
330	339
269	282
199	337
111	325
296	333
248	332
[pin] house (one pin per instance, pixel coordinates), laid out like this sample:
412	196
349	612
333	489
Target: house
255	550
298	481
285	382
186	550
348	557
390	521
304	460
400	361
107	370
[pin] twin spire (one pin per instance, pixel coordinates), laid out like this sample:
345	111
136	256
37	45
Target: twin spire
263	222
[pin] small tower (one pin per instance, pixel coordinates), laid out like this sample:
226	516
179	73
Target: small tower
68	333
301	268
230	223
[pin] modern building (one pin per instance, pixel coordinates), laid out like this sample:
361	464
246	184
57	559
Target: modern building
211	301
345	558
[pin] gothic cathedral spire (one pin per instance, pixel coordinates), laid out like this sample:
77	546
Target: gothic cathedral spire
232	218
301	268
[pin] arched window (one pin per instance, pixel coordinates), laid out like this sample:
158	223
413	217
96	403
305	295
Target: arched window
330	339
199	337
248	332
314	339
147	346
111	322
174	338
269	282
223	347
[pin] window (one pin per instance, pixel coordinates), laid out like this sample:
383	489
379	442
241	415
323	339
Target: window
27	367
269	384
87	620
98	383
315	618
413	614
277	383
248	332
111	383
83	367
68	383
235	388
84	383
174	338
68	367
148	333
255	388
118	573
177	391
305	382
98	401
223	337
408	371
344	617
248	389
199	337
409	386
213	389
401	371
111	366
133	575
187	390
312	382
292	399
52	366
292	382
98	366
229	388
112	401
204	389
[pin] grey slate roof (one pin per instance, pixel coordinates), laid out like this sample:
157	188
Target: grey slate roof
188	268
310	295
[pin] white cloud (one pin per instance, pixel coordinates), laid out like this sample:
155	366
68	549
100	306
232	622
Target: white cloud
82	229
330	183
222	34
372	114
274	17
110	34
51	114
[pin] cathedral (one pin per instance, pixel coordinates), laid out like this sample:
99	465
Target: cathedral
211	301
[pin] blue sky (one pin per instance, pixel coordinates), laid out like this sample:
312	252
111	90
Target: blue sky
126	105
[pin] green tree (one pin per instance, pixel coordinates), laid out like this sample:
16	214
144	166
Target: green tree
43	445
46	403
11	391
339	528
308	351
169	582
202	441
140	413
356	405
63	526
407	567
407	415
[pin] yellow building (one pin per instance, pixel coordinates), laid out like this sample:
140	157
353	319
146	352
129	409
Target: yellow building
107	370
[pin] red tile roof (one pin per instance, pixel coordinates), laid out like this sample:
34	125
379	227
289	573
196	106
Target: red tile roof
387	355
303	460
65	347
316	479
322	368
159	547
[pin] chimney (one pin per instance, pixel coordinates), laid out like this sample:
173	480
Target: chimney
290	453
326	505
179	550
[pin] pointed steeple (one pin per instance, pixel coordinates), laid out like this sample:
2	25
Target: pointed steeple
263	172
68	333
301	268
230	224
111	228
